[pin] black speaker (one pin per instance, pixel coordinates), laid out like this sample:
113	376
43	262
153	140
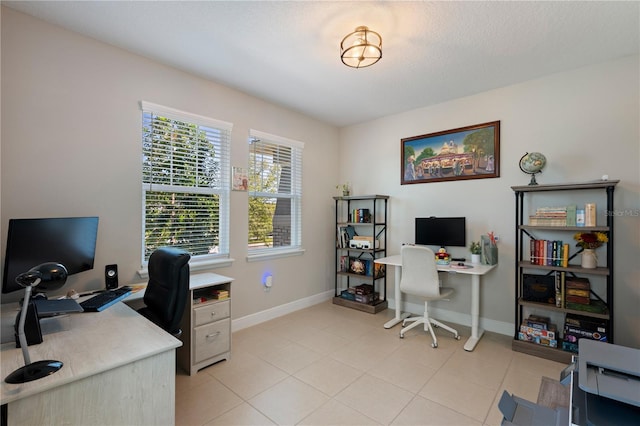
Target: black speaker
111	276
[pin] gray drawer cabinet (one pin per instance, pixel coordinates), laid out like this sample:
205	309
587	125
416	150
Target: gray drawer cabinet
206	323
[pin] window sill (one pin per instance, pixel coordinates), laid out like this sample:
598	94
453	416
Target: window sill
275	254
196	266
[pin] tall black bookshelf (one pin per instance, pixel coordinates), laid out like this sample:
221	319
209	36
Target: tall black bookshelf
525	232
366	217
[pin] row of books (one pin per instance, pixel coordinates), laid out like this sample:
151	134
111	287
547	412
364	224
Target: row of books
549	252
554	216
360	216
355	265
345	234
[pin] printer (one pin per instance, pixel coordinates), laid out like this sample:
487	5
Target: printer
604	383
608	385
611	371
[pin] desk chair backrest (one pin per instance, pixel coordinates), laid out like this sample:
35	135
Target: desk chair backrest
419	271
166	294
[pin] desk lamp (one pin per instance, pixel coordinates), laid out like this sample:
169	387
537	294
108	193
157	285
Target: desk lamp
50	276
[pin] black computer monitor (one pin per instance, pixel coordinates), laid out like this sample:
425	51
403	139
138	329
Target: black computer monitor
70	241
441	231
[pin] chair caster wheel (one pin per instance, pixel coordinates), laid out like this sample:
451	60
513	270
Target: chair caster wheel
457	337
401	336
434	345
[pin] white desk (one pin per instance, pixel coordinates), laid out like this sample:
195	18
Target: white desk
474	273
119	368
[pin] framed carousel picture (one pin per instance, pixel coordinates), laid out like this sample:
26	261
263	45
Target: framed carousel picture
471	152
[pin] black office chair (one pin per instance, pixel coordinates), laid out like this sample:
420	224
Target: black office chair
166	295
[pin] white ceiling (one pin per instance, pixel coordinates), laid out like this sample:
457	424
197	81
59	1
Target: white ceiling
288	52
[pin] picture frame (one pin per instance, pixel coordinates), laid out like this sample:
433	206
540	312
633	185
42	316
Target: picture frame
239	179
471	152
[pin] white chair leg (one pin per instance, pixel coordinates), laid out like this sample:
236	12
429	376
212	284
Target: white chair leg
406	320
433	336
446	327
416	322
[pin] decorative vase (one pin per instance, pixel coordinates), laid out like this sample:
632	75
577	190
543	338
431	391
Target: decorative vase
475	258
589	259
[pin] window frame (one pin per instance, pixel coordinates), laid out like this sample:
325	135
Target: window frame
197	262
295	195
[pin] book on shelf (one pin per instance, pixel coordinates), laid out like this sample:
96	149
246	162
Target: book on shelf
578	292
595	307
548	252
578	283
220	294
360	216
554	216
560	289
344	263
345	234
577	299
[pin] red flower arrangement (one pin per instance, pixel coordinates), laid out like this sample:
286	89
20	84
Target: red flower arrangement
590	240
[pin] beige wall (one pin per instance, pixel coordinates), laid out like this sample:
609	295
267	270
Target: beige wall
584	121
71	146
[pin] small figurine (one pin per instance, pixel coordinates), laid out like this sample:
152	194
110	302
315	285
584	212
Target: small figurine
442	257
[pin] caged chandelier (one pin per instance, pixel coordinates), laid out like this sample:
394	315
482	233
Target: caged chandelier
361	48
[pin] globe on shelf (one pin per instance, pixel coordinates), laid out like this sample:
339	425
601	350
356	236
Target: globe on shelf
532	163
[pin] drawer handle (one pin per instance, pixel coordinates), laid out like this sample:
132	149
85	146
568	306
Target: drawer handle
213	335
213	314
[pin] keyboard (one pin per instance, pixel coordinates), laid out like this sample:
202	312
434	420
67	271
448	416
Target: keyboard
102	301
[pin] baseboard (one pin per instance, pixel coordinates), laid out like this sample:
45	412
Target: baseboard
494	326
278	311
499	327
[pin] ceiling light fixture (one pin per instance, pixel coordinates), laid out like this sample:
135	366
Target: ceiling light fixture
361	48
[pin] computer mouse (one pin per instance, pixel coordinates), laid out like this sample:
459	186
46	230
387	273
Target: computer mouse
460	263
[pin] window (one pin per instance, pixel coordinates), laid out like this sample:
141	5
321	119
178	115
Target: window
275	194
185	182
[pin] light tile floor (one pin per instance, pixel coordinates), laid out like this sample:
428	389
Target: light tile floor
331	365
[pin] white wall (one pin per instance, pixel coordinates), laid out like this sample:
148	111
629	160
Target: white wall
584	121
71	147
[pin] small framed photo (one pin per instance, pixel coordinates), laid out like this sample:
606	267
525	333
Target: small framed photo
471	152
240	179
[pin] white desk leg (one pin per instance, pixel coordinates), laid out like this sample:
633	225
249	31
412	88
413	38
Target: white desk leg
398	296
476	332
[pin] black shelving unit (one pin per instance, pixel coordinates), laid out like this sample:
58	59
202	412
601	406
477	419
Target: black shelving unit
525	232
376	227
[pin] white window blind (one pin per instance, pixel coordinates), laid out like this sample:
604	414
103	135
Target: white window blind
275	193
185	182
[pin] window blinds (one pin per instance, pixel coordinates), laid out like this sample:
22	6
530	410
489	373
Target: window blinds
275	191
186	178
